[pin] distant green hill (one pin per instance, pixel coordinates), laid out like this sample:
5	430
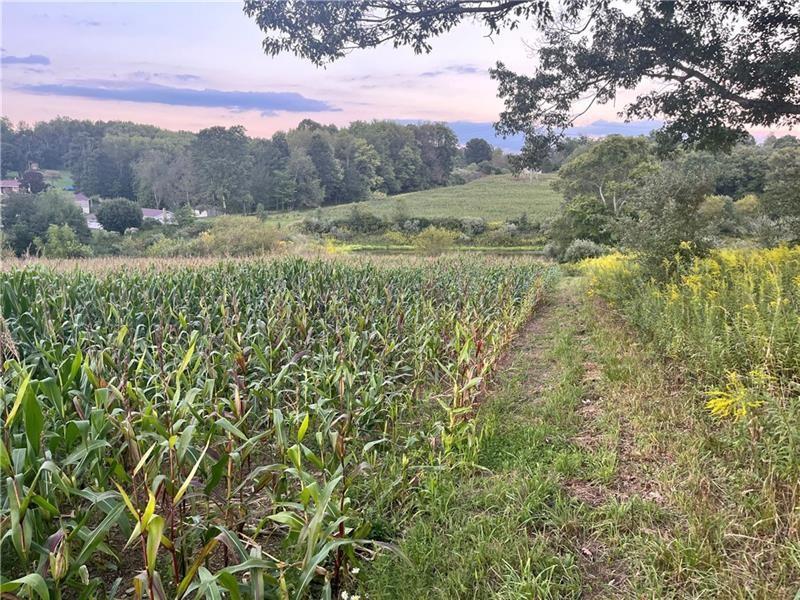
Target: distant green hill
494	198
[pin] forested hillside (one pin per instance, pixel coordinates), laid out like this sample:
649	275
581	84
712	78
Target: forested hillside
312	165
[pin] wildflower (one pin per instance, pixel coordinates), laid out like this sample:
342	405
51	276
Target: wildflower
673	294
693	282
734	400
355	570
345	595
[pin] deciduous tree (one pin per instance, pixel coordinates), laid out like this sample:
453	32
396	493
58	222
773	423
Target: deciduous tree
119	214
782	191
33	181
610	170
477	150
26	217
719	67
223	165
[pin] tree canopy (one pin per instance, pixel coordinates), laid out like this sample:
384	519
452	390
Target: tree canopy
718	67
119	214
782	193
27	217
477	150
224	169
609	170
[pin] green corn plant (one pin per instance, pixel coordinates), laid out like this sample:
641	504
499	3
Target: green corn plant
233	421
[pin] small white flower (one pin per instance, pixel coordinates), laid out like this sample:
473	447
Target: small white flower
355	597
345	595
355	570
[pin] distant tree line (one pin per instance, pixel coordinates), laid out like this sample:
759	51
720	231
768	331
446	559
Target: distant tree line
223	168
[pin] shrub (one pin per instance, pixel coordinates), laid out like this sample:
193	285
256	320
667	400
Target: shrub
552	250
315	225
434	240
747	206
505	235
119	214
227	236
585	218
718	212
768	231
363	221
462	175
395	238
487	168
343	234
167	247
713	207
472	226
237	236
130	245
525	225
411	226
196	228
665	225
581	249
106	243
62	242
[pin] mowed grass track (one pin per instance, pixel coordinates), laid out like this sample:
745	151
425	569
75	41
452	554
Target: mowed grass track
600	474
494	198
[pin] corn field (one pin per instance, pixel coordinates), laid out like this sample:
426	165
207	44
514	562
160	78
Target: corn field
231	430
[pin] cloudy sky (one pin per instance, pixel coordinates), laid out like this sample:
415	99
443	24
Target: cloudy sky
186	65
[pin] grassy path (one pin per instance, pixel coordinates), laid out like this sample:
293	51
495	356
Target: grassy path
599	476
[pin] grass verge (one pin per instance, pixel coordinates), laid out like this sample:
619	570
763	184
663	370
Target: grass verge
505	528
600	475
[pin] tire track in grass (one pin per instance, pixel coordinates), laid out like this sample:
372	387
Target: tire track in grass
507	528
592	482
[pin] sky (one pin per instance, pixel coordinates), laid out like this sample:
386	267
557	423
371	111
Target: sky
188	65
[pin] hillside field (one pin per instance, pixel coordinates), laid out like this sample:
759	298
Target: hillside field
493	198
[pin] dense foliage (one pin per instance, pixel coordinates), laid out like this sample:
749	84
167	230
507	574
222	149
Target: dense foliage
733	321
477	150
62	242
119	214
725	65
223	168
618	191
242	425
403	229
27	217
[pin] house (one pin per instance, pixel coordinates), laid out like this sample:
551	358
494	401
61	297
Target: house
83	203
8	186
92	222
161	215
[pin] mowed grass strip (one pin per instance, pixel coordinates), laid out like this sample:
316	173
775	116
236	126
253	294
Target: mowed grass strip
493	198
505	527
